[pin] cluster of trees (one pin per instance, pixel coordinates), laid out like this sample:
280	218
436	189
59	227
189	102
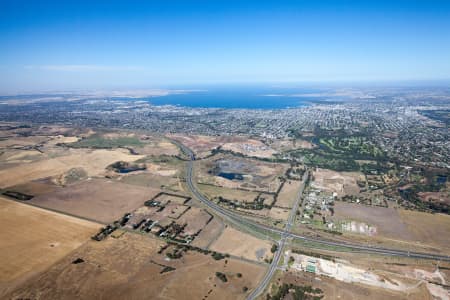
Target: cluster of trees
274	248
222	276
296	292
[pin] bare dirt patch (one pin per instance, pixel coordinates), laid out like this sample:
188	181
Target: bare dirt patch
158	147
196	219
161	170
33	239
151	180
236	172
429	228
209	233
241	244
386	220
288	193
342	183
334	289
417	228
279	213
252	148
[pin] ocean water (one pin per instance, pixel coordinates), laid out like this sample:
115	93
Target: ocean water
252	98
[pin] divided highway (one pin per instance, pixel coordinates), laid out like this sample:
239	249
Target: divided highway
285	233
277	256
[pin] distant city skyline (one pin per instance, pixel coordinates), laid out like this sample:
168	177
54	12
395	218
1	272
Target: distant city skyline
60	45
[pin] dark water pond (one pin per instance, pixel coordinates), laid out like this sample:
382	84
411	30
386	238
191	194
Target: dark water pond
231	176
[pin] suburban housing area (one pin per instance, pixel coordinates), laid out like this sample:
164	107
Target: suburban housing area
320	202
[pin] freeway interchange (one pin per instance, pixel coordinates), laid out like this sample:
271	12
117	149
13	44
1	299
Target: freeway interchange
284	234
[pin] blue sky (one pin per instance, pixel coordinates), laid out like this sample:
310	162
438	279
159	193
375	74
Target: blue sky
55	45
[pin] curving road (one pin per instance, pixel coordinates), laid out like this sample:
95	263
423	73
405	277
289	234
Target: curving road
277	256
285	233
237	219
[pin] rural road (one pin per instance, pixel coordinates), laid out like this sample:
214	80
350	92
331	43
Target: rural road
238	219
277	256
285	233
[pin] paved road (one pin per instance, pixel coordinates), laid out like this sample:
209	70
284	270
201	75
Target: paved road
241	221
277	256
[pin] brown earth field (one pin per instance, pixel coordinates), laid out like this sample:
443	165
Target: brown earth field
335	289
438	197
129	267
196	219
241	244
32	239
202	145
157	146
174	211
97	199
152	181
35	188
279	213
209	233
402	225
416	275
257	175
291	144
19	141
212	191
161	170
13	157
252	148
429	228
172	198
93	161
288	193
342	183
386	220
